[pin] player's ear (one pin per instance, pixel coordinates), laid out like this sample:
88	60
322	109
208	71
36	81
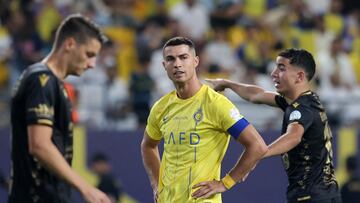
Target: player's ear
163	63
197	60
301	76
69	43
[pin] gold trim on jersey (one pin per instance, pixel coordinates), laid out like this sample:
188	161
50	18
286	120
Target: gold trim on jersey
43	110
45	121
304	198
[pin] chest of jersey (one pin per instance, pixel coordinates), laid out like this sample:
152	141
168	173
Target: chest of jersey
188	130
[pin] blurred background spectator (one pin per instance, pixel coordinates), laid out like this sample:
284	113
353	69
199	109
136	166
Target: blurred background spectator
237	39
350	191
107	183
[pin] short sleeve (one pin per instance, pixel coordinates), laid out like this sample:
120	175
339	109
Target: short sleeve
281	102
226	113
40	98
153	124
302	115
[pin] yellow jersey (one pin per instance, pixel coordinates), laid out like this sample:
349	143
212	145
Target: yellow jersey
195	134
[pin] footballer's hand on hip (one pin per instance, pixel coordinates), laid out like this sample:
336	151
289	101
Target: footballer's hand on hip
207	189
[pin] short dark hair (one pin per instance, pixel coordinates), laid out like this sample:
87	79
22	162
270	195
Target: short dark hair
175	41
302	59
80	28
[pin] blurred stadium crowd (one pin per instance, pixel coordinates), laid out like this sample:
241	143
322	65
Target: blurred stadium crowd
237	39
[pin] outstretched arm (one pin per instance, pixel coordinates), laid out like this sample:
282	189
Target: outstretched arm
251	93
255	148
287	141
43	149
151	161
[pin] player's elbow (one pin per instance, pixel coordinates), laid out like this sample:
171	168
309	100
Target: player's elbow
253	99
143	147
35	150
258	148
295	140
261	148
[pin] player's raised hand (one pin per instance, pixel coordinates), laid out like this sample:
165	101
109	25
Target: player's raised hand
93	195
217	84
208	188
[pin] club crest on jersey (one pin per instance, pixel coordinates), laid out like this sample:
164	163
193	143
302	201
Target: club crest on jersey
235	114
198	116
295	115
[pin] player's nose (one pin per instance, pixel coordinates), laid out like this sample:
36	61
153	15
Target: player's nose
91	62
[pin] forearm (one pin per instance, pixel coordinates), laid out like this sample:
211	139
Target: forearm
245	91
50	157
282	145
151	161
247	161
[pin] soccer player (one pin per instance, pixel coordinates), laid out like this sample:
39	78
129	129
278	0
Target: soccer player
42	129
195	123
305	143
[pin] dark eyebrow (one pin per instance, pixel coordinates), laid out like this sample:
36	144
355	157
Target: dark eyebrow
169	57
181	55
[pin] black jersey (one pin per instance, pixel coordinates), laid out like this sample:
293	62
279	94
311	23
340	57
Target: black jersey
309	165
39	98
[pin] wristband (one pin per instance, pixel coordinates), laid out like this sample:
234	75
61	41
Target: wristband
228	181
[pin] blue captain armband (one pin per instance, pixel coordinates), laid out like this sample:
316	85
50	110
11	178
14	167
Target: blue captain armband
238	127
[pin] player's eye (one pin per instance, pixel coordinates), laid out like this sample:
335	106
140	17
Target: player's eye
170	59
183	57
90	54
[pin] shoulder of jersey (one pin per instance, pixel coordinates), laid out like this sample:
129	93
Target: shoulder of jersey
212	94
39	72
164	99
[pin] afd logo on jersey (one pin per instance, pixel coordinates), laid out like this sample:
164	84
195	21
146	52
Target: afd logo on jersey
191	138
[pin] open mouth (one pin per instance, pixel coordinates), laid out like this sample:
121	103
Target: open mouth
179	73
276	83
